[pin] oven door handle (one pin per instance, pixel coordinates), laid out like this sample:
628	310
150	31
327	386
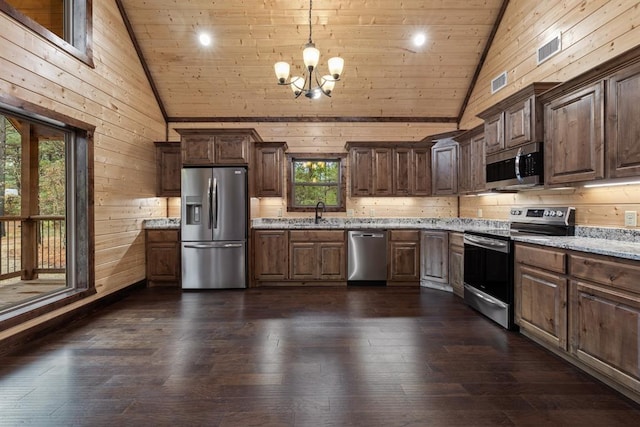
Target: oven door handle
486	243
485	298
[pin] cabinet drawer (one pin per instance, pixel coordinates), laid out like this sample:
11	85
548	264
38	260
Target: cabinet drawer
456	239
540	257
316	236
617	274
163	235
404	235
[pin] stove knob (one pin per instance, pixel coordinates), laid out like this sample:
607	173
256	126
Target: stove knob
552	213
546	213
560	213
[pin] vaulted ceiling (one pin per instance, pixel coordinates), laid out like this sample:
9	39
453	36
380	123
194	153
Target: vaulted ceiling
385	74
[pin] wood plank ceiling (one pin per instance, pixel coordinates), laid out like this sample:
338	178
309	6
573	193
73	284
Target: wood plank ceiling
385	75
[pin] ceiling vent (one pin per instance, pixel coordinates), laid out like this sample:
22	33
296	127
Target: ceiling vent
550	48
499	82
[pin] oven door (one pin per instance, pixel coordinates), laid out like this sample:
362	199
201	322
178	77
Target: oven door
488	277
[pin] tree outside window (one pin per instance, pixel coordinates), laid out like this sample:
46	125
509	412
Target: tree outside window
314	179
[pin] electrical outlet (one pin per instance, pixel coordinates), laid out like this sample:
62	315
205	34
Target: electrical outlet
372	212
479	213
280	213
350	213
630	218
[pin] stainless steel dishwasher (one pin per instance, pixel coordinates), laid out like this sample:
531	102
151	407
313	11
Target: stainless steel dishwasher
367	260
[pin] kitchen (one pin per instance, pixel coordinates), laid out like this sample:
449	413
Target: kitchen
126	126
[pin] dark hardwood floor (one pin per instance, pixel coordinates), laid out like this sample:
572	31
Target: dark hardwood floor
297	357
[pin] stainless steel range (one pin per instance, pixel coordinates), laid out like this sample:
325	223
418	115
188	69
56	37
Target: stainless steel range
488	258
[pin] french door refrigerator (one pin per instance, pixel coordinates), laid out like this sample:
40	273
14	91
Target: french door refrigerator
214	227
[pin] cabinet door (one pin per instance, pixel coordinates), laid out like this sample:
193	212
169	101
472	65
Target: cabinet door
382	166
574	140
402	171
232	149
494	133
435	256
270	254
478	164
465	167
198	150
541	304
303	261
605	331
456	263
623	126
361	171
444	172
268	176
421	174
517	124
168	167
404	261
332	261
162	257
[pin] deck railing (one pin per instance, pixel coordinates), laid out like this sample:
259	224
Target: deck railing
49	245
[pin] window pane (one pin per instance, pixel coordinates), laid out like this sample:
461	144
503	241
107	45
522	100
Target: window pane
48	13
310	171
310	195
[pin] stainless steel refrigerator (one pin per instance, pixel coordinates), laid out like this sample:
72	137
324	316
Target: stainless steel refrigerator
214	227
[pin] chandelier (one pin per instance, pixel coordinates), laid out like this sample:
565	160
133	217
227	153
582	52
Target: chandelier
310	84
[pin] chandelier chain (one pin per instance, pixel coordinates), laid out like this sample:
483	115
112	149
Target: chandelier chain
310	6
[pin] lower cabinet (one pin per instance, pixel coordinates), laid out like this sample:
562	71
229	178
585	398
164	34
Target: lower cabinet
584	306
317	255
162	257
404	257
456	263
270	254
541	294
435	259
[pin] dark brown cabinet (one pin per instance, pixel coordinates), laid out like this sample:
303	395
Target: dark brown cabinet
268	173
168	167
471	161
574	136
541	294
270	254
404	256
207	147
444	167
162	257
435	259
623	126
456	263
516	120
317	255
390	169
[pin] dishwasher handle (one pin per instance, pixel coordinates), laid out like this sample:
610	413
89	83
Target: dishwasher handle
373	235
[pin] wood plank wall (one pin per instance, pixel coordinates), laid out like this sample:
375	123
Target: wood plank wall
592	32
117	99
331	138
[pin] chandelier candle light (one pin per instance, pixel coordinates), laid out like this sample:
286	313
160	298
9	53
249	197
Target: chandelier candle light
311	56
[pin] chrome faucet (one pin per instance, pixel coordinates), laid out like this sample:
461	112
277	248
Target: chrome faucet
318	211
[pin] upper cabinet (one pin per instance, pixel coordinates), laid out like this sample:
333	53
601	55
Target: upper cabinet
389	168
591	124
267	176
208	147
516	120
471	161
444	167
168	166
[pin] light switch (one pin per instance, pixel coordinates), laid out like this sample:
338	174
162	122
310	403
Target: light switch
630	218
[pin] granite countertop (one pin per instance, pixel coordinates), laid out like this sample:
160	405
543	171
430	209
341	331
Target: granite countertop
616	242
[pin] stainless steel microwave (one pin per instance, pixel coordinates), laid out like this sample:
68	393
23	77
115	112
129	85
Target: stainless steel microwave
520	167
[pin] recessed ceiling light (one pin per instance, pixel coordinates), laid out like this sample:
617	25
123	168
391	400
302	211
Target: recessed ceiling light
205	39
419	39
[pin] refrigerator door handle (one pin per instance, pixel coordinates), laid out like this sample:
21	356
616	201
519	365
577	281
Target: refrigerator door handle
215	199
209	196
210	246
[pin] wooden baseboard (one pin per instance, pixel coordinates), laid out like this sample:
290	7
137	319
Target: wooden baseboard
24	338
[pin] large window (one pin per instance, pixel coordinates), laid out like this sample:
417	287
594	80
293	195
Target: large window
316	178
66	23
44	215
